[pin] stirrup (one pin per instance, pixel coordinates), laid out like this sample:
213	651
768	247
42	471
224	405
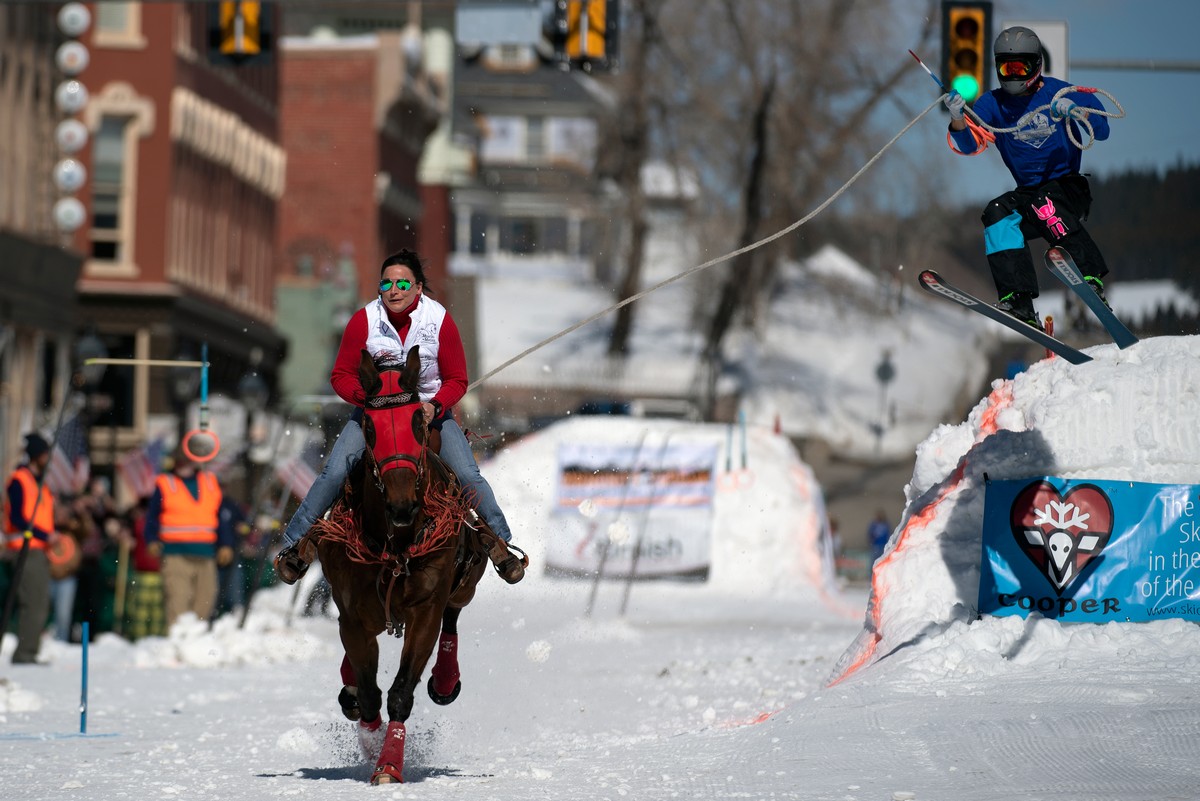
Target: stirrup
508	566
291	563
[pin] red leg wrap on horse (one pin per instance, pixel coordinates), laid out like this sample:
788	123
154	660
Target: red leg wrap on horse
348	673
391	759
445	671
370	738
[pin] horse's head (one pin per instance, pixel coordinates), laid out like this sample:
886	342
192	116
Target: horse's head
395	432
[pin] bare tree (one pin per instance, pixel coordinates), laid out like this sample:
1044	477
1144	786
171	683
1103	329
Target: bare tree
775	100
633	135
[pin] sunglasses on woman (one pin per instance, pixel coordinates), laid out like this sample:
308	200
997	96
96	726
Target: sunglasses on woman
403	284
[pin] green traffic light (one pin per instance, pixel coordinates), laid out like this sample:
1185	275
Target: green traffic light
967	86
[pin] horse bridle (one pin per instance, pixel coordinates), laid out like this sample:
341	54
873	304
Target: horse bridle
415	463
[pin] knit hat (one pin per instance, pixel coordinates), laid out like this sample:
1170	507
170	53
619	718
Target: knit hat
35	445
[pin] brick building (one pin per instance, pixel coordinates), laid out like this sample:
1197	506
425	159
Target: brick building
37	295
184	176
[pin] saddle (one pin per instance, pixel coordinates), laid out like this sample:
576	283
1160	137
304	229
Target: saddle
291	563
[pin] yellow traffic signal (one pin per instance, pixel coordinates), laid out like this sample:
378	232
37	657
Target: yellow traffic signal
240	24
586	33
585	29
966	42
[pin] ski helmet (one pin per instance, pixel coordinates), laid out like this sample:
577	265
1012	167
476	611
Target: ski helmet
1018	54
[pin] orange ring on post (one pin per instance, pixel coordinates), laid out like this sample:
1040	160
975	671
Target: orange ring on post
63	551
200	459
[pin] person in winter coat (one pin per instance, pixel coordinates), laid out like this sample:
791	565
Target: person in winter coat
29	514
184	529
401	317
1052	197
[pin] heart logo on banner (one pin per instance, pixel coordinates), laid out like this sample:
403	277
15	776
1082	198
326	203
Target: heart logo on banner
1061	533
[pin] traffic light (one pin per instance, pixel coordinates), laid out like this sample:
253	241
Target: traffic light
966	47
239	32
587	32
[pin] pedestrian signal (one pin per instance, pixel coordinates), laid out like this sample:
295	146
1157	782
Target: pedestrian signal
966	47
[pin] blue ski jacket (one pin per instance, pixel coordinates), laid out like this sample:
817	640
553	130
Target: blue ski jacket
1040	151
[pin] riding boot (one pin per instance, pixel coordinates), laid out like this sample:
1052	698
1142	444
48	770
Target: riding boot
291	563
508	565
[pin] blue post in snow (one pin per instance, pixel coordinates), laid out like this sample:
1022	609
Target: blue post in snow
83	690
742	425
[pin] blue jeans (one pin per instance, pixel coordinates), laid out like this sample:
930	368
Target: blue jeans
62	600
348	449
456	452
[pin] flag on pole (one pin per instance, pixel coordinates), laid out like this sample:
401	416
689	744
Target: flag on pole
300	471
69	468
140	466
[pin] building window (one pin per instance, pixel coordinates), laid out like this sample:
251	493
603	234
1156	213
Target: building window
533	235
535	147
554	230
503	140
110	166
118	24
479	225
518	235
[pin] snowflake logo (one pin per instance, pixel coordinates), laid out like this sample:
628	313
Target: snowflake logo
1061	534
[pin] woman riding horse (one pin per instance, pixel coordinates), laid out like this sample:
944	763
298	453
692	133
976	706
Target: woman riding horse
401	317
401	555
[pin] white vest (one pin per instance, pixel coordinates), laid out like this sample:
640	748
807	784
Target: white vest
424	329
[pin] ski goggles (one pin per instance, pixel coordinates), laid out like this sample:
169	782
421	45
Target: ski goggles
403	284
1016	68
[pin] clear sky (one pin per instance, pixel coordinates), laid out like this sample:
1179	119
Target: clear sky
1162	126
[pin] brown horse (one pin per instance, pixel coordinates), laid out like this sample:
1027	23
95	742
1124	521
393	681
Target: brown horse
399	557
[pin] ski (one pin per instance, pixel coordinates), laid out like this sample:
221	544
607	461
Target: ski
1064	268
932	282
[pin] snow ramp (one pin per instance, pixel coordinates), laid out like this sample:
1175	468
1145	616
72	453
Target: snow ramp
1128	415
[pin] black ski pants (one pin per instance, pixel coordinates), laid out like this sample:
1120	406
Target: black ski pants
1053	211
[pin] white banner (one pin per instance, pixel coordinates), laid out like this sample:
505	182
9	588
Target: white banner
645	510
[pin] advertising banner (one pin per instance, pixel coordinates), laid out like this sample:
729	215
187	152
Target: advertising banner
1090	551
642	510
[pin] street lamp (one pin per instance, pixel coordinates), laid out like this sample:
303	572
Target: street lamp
86	378
885	371
87	347
185	381
254	394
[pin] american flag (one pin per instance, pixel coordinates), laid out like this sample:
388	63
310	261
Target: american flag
140	466
69	468
300	471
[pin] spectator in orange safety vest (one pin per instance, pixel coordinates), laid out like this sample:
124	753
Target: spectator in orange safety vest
29	509
184	527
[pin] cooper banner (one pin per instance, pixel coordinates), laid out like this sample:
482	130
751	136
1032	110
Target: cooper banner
1090	551
615	501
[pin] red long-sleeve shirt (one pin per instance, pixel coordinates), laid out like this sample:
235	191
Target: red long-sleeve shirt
452	359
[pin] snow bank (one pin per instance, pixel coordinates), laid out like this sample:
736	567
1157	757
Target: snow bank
769	519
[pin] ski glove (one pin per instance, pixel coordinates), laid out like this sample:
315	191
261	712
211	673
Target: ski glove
1063	108
955	103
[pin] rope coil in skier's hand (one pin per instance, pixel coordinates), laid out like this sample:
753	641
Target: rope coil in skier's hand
985	133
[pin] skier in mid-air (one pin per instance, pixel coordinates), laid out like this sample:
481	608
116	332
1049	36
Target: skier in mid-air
1052	198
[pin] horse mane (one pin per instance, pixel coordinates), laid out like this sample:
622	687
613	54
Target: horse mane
445	510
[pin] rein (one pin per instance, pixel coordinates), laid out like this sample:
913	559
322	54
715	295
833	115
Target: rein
445	510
